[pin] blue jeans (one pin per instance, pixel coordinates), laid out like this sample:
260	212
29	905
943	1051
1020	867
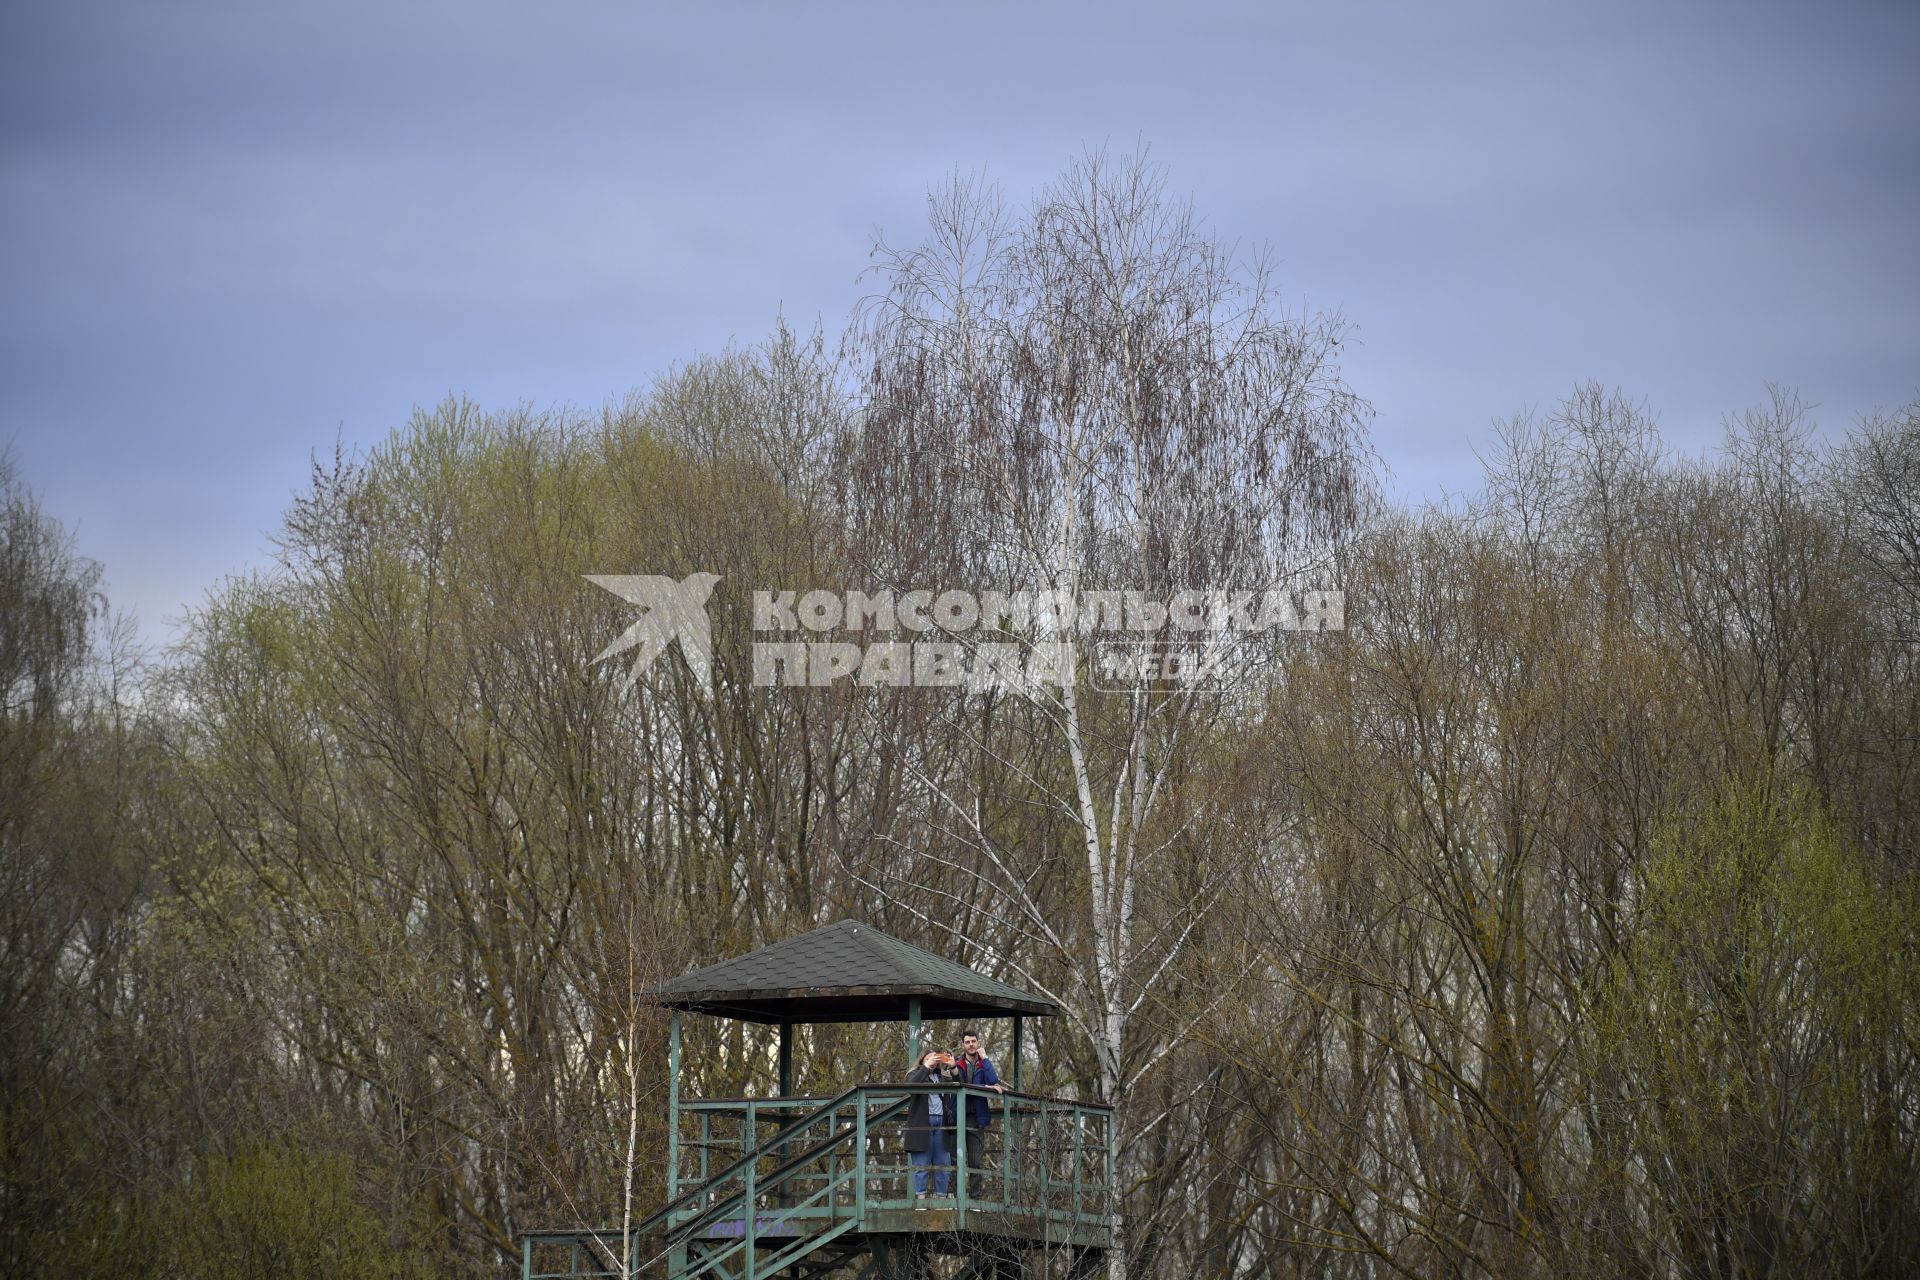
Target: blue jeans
934	1158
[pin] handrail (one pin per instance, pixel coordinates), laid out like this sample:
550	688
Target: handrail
753	1156
780	1173
849	1116
654	1220
944	1087
720	1208
776	1179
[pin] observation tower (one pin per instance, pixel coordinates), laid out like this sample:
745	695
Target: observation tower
818	1186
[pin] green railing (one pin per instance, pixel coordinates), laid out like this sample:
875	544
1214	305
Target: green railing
775	1179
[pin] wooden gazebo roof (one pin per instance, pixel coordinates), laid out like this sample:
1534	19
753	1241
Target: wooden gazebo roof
846	972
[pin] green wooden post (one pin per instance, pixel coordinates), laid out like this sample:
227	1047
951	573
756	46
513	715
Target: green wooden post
833	1168
1010	1170
749	1142
673	1107
913	1030
960	1127
786	1059
1113	1191
860	1159
1077	1160
1012	1118
1046	1173
752	1224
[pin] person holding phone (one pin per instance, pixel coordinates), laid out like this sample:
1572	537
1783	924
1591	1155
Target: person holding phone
930	1119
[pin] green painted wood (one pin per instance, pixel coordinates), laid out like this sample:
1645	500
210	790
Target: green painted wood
1046	1171
786	1059
673	1106
1113	1191
818	1195
820	1205
860	1160
1010	1168
1079	1163
793	1253
677	1214
794	1167
960	1152
752	1214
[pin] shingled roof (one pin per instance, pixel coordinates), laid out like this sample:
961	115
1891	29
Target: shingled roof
846	972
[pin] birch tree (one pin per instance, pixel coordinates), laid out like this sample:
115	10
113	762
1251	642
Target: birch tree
1089	398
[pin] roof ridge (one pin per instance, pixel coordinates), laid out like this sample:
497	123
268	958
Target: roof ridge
876	947
868	938
949	961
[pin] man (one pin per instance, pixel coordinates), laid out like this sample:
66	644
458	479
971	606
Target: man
976	1069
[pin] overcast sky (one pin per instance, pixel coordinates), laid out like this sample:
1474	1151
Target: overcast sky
232	234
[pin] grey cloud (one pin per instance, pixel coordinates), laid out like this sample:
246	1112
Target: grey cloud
231	233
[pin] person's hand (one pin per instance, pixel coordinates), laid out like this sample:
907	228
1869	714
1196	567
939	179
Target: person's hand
998	1088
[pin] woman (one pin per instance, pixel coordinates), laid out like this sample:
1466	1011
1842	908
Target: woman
929	1122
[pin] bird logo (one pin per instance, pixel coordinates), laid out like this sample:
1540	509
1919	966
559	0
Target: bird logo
669	611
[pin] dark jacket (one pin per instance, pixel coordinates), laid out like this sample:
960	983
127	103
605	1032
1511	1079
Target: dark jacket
919	1125
979	1114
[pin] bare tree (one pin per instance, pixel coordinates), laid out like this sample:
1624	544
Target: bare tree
1094	398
